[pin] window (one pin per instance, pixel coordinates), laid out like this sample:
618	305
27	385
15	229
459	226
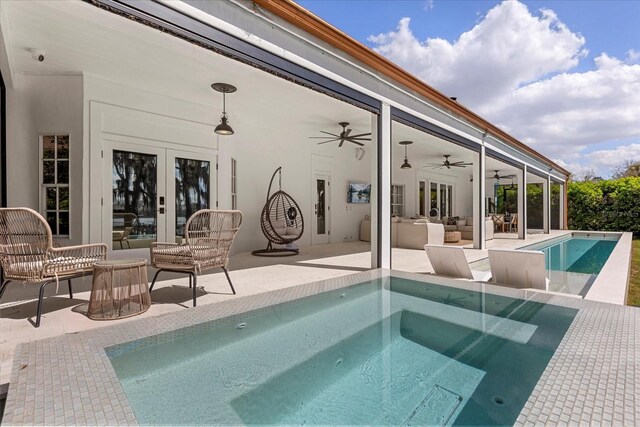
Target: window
234	184
397	200
54	191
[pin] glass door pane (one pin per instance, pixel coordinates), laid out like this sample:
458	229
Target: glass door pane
449	200
192	184
421	198
134	187
320	206
433	207
443	201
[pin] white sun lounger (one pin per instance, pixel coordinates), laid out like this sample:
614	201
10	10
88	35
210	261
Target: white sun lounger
518	269
450	261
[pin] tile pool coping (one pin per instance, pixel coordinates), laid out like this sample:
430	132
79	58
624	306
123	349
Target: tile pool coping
593	377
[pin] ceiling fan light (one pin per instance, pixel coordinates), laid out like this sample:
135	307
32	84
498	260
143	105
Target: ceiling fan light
223	128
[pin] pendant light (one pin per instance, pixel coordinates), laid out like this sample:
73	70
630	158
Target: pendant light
406	164
223	128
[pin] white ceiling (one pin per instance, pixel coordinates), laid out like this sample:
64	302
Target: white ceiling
80	38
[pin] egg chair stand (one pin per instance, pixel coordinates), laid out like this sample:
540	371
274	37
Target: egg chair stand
281	221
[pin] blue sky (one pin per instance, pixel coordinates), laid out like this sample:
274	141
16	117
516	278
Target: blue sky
586	105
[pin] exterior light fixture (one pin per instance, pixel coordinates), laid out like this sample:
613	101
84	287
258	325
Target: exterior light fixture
406	164
223	128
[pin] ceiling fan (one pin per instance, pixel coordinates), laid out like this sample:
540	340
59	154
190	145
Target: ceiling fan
447	164
498	177
345	135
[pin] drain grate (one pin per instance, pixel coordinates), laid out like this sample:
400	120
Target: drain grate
436	408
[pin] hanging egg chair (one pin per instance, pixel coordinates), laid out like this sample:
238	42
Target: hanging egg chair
281	221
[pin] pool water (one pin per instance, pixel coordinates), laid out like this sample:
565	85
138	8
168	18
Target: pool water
389	351
572	262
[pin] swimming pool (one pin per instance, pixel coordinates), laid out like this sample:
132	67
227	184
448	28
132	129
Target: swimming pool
573	261
387	351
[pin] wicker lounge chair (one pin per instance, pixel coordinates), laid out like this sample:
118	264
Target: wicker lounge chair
27	253
208	236
128	223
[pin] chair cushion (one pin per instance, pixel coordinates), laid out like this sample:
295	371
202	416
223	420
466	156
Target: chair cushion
278	224
450	228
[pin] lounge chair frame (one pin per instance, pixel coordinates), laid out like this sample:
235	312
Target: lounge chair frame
28	254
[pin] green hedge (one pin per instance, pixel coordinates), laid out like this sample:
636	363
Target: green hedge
607	205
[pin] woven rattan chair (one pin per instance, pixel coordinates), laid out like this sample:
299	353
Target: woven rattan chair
208	237
27	253
281	221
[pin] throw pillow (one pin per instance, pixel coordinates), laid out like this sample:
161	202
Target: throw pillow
461	223
452	220
469	220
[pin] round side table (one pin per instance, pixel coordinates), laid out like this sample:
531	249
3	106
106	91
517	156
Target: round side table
120	289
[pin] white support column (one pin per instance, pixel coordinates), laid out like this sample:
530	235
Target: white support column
546	205
479	200
522	203
382	218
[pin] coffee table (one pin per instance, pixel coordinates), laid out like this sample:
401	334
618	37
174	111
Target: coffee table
120	289
452	236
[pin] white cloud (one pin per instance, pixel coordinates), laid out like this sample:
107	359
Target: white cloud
428	5
633	57
514	68
602	162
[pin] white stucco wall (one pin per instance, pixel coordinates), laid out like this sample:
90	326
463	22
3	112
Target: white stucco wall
259	148
39	105
463	197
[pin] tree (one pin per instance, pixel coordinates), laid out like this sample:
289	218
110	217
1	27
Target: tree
627	169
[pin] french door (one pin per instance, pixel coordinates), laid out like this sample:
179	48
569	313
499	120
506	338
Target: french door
149	192
441	198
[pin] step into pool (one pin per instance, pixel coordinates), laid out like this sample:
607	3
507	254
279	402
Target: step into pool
390	351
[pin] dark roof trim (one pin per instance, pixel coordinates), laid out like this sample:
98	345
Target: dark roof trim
505	159
173	22
424	126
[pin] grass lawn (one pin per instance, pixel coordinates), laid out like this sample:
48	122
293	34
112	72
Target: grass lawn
633	298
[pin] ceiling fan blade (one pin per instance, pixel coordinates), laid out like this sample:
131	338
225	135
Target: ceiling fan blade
460	163
346	134
329	133
361	134
359	139
356	142
331	140
457	166
320	137
341	142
